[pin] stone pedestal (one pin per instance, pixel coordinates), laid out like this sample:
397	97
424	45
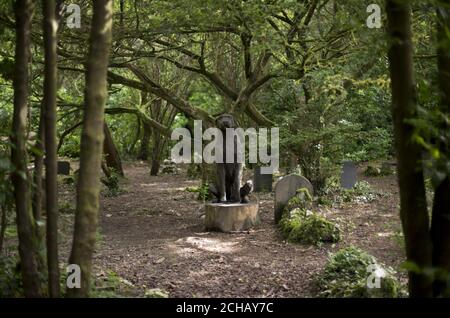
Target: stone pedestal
231	217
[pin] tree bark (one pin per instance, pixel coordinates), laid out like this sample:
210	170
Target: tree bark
413	205
112	156
440	227
3	211
49	102
156	155
130	149
143	152
26	226
88	187
37	200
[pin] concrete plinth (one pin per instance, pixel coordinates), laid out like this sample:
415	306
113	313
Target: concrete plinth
232	217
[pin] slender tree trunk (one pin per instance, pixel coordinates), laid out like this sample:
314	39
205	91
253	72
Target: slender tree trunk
3	211
112	156
37	201
26	226
143	152
156	154
50	87
440	228
130	149
413	205
88	187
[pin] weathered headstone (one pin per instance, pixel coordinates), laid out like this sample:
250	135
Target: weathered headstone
261	182
349	175
232	217
64	168
285	189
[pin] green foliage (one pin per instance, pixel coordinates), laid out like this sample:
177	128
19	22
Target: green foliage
291	219
156	293
372	171
362	192
66	207
10	277
111	285
71	146
299	225
314	229
112	183
347	272
7	68
194	171
203	192
302	200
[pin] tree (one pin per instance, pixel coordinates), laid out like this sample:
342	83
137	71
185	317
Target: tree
88	186
440	227
112	156
49	106
413	204
26	226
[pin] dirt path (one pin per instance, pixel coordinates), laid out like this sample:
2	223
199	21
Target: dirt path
152	236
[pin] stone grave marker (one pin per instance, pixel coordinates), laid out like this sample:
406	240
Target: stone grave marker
64	168
285	189
349	175
261	182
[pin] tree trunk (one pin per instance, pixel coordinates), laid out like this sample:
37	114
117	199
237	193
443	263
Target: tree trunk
143	152
130	149
413	205
37	200
51	187
88	187
440	228
112	156
3	212
156	154
26	226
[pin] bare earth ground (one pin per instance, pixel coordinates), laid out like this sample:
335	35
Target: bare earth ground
152	236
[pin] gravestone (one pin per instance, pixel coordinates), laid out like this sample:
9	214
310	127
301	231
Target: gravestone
64	168
261	182
285	189
231	217
349	175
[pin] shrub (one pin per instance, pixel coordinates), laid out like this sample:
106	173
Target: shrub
372	171
315	229
10	278
203	192
112	183
347	273
362	192
290	220
299	225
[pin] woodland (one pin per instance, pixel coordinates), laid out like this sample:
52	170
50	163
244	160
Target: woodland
92	205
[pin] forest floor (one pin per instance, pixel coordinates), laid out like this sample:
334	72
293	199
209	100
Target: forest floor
151	236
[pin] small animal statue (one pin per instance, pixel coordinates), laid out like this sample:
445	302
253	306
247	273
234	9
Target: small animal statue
229	175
